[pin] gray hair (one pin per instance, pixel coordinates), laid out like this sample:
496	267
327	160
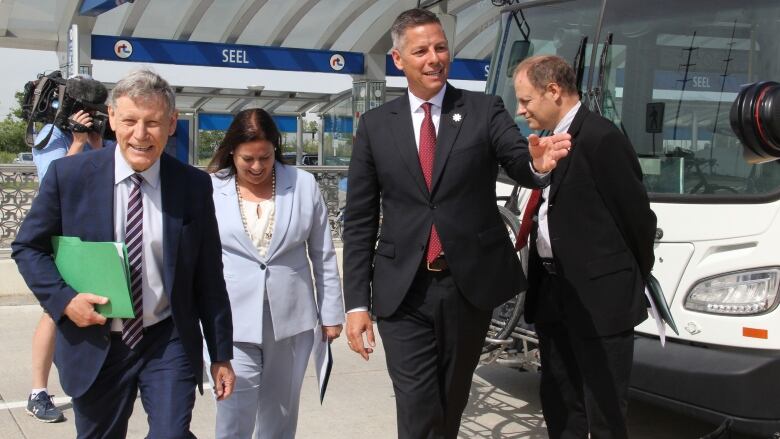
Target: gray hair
144	84
410	18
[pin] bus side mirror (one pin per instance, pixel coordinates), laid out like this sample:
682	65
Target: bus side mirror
517	53
755	119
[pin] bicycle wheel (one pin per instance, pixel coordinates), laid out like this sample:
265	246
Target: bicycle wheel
507	315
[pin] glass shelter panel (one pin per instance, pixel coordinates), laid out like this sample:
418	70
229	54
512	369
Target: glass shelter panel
669	79
337	134
556	29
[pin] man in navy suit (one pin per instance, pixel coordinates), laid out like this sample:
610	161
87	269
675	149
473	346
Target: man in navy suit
164	211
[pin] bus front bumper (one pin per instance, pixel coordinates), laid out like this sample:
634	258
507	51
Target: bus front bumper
710	383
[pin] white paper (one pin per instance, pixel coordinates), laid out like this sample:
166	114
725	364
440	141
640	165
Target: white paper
323	361
659	322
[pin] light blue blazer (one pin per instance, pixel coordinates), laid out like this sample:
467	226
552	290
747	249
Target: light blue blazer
301	247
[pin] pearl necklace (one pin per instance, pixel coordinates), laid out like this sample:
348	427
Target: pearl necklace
270	227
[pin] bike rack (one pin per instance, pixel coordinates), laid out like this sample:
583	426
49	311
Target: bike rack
505	355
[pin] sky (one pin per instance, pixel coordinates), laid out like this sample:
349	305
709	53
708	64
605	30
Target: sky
22	65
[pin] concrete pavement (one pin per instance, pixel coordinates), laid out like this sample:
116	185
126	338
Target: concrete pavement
359	403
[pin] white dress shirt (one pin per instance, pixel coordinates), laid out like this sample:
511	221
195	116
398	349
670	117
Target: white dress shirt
155	301
418	114
543	246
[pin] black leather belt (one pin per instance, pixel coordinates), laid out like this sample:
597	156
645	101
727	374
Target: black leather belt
438	264
549	265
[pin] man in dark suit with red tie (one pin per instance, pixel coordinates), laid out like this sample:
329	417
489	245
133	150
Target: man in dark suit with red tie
443	259
591	249
163	211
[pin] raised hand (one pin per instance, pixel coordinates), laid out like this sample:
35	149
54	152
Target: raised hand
547	151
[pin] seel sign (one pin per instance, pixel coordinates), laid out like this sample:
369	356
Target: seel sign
195	53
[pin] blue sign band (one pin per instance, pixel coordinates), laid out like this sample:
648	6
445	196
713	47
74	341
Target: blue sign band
193	53
183	140
469	69
338	124
217	121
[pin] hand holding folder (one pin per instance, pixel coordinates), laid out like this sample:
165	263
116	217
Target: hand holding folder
659	308
99	268
323	361
659	300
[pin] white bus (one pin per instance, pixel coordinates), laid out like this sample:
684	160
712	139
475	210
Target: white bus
667	72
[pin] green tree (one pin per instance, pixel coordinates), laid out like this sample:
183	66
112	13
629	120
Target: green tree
208	141
311	127
17	111
12	129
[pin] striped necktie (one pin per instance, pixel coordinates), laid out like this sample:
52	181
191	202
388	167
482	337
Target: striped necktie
132	330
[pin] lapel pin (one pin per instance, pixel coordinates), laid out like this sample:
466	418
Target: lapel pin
457	117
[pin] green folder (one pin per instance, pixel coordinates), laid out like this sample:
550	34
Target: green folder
99	268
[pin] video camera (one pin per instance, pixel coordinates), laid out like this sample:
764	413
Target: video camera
755	119
52	99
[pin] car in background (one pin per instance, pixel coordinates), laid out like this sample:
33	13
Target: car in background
24	158
336	161
306	159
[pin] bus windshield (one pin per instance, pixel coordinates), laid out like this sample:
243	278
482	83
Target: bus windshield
666	73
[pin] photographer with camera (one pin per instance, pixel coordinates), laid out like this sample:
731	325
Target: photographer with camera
77	127
78	124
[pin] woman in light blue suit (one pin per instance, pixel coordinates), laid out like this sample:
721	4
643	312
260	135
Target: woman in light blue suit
274	228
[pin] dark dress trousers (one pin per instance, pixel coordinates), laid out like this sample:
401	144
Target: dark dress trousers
76	199
432	324
601	232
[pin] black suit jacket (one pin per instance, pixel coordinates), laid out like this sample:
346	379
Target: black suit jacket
77	199
475	134
601	231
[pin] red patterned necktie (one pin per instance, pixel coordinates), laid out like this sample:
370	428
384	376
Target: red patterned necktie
427	148
527	224
132	329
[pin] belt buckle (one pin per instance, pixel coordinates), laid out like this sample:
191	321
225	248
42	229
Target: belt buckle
430	266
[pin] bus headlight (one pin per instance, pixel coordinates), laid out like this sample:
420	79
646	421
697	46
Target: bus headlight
740	293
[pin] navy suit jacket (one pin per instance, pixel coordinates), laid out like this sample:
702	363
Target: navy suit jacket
77	199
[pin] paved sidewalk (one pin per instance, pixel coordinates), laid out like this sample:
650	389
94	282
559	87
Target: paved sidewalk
504	402
359	402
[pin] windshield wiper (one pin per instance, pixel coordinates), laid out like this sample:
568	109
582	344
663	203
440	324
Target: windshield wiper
602	99
579	64
596	94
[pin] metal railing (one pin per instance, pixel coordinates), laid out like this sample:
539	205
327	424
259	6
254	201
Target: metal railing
19	186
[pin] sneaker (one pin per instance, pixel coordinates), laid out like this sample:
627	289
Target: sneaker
42	408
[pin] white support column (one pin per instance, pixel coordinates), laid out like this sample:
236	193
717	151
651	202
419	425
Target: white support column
194	138
321	143
299	138
447	23
75	46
